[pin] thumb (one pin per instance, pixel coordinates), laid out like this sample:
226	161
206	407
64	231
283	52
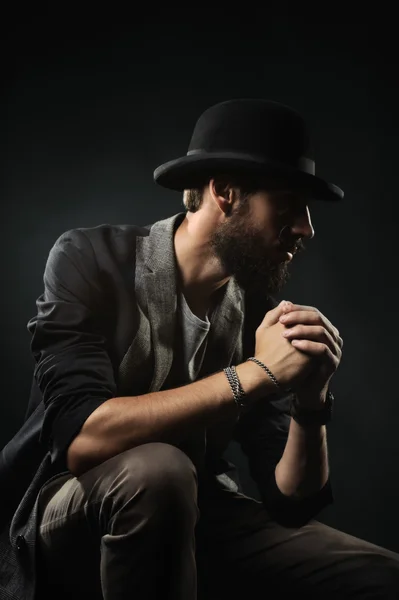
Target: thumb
273	315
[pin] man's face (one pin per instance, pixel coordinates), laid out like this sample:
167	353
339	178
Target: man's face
247	243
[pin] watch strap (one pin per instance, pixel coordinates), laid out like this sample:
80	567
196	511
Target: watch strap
308	416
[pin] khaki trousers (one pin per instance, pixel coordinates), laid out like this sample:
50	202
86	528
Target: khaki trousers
141	526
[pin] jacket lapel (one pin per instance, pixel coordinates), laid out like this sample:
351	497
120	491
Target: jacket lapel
150	354
225	348
225	340
162	304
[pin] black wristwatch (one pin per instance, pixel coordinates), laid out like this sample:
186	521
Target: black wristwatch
307	416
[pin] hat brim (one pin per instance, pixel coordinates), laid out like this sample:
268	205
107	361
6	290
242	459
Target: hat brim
192	170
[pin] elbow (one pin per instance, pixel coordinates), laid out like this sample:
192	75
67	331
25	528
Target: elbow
77	459
291	511
72	461
87	451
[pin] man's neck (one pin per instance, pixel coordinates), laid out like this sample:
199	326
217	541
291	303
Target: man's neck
201	294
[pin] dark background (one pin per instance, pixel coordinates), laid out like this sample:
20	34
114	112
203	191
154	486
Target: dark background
89	112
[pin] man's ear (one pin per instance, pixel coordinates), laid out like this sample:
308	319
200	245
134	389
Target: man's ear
222	187
225	191
222	193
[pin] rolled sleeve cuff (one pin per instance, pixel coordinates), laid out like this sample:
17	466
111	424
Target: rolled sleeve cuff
66	427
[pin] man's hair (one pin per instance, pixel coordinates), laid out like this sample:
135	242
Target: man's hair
247	185
192	199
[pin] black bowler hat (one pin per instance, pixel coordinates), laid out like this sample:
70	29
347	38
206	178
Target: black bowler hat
251	137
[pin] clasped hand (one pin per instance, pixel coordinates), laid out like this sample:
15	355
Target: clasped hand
311	332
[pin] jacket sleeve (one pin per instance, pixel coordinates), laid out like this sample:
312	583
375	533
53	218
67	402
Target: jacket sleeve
72	366
262	434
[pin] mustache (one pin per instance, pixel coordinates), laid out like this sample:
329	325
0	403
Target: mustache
289	244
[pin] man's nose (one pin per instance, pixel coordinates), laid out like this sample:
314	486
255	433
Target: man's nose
302	225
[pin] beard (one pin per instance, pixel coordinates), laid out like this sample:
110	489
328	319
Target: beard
244	253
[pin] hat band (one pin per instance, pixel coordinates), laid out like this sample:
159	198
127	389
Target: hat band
307	165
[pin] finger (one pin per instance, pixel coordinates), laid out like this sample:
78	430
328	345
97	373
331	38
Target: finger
316	333
300	316
317	349
314	317
302	307
272	316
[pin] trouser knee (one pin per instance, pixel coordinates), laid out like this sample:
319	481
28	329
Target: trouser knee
157	474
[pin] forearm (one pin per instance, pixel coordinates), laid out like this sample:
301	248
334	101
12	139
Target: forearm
125	422
303	468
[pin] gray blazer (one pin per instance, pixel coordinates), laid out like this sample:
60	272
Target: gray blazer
108	314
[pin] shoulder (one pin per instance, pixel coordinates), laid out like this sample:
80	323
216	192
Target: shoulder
102	235
98	243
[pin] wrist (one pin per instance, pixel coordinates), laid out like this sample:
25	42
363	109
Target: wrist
255	381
